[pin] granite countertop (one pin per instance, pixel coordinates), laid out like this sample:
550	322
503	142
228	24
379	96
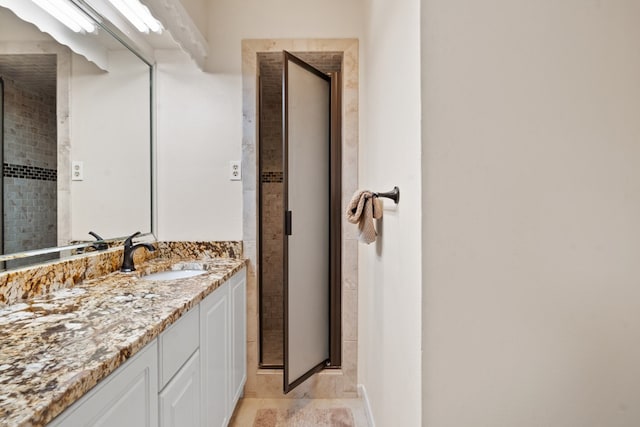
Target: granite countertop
54	348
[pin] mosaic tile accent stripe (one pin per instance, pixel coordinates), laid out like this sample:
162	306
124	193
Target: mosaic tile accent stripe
29	172
271	176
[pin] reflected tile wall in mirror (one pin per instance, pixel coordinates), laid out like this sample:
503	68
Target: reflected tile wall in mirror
29	202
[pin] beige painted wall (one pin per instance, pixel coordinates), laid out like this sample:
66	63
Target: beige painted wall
531	213
199	130
230	21
196	200
389	280
199	12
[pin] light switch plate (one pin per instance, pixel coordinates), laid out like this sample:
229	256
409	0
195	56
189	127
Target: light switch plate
77	171
235	170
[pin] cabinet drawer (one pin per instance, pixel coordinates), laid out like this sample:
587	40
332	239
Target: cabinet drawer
180	399
177	344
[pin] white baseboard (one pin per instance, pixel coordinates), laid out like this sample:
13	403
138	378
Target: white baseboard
362	392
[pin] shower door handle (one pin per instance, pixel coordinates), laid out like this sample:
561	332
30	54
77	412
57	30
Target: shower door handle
287	223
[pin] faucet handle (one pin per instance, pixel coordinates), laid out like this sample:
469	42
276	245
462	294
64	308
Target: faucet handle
100	245
129	240
94	234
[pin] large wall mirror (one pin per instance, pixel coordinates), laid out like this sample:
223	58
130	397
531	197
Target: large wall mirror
75	142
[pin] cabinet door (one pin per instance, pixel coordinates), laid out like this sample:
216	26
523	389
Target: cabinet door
180	400
214	353
238	372
126	398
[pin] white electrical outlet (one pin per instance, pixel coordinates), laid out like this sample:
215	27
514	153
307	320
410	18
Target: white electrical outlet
235	170
77	171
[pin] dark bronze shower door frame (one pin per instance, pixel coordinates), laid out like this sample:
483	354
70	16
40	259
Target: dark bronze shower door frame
333	197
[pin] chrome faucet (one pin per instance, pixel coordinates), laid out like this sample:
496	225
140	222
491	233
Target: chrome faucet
129	249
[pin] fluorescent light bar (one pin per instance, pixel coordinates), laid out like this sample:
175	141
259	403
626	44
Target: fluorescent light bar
138	14
67	14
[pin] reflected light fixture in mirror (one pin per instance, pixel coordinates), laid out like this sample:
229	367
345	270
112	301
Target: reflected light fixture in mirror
138	14
67	14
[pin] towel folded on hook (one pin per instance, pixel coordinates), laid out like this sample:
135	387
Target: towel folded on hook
363	208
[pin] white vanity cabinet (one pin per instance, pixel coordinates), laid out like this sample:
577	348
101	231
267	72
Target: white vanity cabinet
223	350
192	375
126	398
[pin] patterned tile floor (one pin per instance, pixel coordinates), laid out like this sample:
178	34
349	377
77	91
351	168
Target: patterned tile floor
246	410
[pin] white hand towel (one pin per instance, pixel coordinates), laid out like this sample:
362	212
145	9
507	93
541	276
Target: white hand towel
363	208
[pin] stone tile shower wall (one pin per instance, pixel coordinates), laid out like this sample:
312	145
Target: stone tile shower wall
272	191
271	290
29	170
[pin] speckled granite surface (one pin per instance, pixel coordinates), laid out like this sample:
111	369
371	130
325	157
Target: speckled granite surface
57	346
30	282
230	249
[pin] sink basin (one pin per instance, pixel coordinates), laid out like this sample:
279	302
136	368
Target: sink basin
173	274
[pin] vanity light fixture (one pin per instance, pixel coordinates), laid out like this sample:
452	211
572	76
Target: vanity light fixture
138	14
68	14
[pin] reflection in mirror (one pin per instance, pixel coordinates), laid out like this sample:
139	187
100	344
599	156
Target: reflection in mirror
59	111
29	202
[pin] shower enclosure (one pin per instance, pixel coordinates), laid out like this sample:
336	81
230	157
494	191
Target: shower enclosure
300	199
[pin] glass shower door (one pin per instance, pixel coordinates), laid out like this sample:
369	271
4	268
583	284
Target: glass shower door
306	151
